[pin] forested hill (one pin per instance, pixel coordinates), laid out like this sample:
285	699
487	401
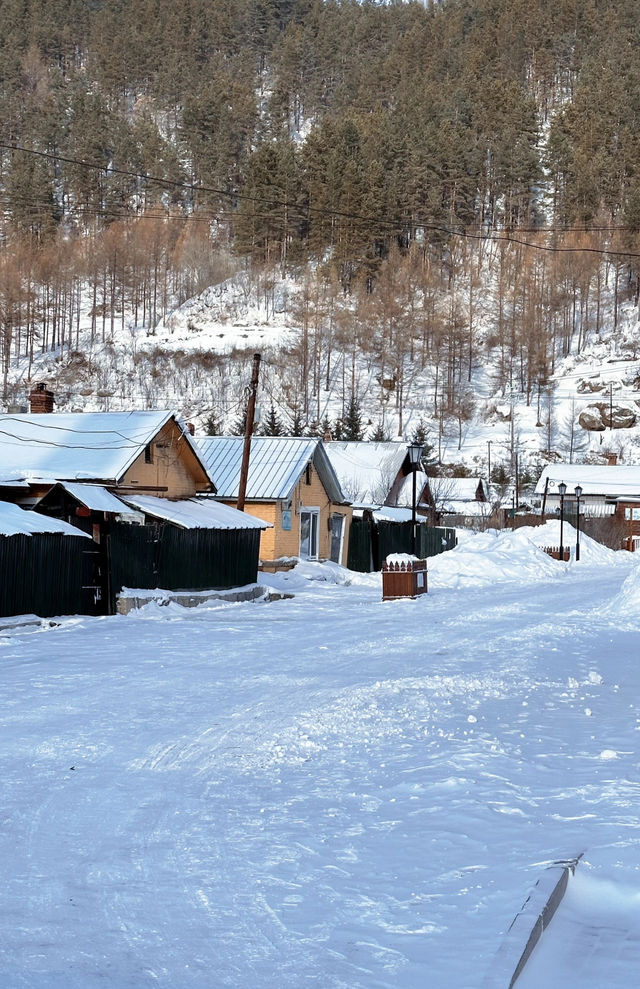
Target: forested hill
452	187
414	117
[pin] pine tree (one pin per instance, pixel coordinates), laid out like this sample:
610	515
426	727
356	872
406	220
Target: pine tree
213	425
272	424
353	428
380	434
297	423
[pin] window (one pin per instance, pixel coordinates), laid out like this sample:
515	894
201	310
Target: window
148	453
337	531
309	534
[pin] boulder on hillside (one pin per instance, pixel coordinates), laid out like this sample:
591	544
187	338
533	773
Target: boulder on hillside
600	416
590	385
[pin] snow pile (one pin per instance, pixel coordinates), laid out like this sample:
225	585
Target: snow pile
306	571
493	556
590	550
627	602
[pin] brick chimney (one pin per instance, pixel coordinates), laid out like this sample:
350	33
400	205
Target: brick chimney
41	399
191	428
612	459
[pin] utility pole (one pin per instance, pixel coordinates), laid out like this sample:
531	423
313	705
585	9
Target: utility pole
489	462
517	485
248	431
611	405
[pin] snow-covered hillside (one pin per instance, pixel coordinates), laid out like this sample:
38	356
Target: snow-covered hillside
197	360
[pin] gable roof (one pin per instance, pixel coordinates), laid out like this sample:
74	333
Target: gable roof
366	470
594	479
276	465
78	446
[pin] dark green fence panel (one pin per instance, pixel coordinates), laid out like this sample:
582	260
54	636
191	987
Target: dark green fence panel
370	543
175	559
42	574
132	556
393	537
207	559
432	539
359	554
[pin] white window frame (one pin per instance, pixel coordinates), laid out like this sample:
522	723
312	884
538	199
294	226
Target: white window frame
342	532
310	510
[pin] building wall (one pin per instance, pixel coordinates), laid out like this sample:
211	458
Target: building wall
174	471
279	542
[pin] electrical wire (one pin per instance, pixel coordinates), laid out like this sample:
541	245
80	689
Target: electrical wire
306	209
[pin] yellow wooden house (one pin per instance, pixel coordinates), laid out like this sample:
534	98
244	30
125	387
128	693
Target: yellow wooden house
290	484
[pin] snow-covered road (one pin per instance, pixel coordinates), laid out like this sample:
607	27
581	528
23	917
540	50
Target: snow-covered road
325	791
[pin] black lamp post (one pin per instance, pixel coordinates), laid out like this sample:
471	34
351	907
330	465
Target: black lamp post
578	493
562	490
415	455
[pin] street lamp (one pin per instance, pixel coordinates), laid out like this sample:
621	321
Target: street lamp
415	456
578	493
562	490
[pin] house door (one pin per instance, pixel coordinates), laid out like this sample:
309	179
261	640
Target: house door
309	534
337	529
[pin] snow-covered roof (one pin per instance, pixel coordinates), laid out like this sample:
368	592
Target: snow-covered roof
16	521
594	479
94	496
387	513
196	513
275	466
405	491
91	446
366	471
477	509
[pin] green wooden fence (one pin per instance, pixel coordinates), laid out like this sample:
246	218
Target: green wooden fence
371	542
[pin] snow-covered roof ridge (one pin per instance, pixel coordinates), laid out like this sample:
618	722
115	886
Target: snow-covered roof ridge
79	446
594	479
275	465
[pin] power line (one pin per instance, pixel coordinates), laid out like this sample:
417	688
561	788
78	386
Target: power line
304	209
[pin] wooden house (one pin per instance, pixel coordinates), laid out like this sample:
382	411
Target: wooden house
608	492
457	501
373	474
292	485
126	452
89	468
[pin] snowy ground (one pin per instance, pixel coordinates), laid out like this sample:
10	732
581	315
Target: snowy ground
325	791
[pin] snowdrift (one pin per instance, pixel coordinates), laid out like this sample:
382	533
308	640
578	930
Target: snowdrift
516	555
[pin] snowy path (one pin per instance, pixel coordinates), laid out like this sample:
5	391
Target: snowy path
326	791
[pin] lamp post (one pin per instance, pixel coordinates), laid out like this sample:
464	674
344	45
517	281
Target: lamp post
415	455
562	490
578	493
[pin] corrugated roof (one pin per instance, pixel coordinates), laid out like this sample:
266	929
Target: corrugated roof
594	479
95	497
80	446
196	513
17	521
275	466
